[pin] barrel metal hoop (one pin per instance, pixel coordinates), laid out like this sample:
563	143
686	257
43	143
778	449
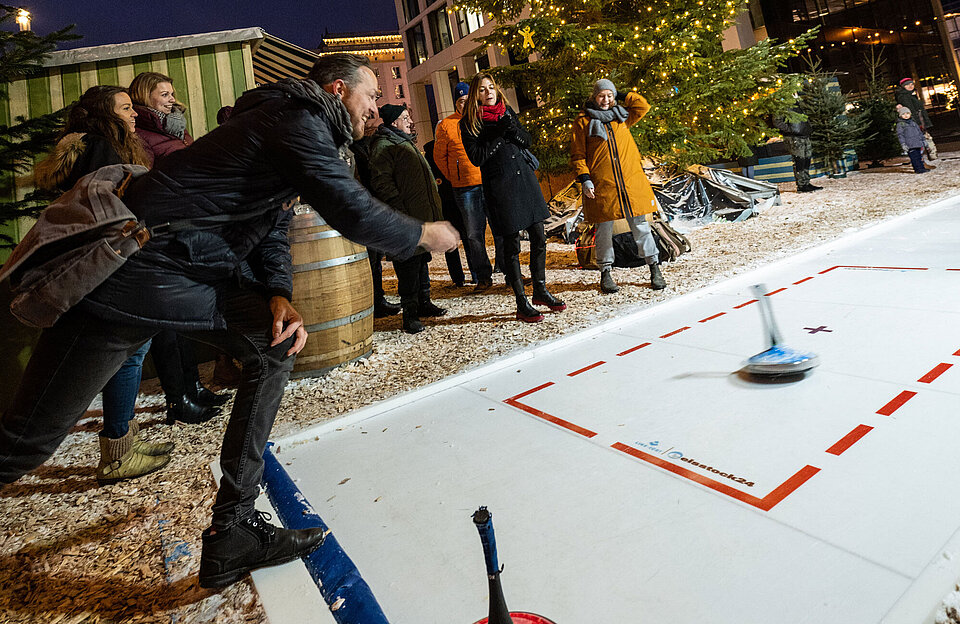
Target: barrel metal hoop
302	238
323	264
340	322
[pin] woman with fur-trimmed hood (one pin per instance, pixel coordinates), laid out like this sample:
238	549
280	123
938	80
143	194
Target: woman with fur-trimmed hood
100	132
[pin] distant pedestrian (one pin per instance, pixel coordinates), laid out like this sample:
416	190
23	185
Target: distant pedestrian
796	134
608	166
496	142
911	139
907	96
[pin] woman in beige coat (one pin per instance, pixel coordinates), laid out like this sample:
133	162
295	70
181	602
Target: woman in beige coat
608	166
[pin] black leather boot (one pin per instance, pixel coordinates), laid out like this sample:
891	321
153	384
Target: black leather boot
538	270
542	297
383	308
253	543
206	397
411	319
525	312
185	410
656	278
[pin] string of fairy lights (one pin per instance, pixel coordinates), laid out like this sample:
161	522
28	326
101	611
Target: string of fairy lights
670	51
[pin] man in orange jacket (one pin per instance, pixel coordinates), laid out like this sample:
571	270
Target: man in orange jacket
451	159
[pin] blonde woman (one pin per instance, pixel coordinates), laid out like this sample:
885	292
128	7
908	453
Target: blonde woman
496	142
161	120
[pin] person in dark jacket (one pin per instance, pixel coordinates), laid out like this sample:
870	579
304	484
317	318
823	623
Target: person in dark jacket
361	151
911	139
796	134
907	96
100	132
496	142
284	139
401	178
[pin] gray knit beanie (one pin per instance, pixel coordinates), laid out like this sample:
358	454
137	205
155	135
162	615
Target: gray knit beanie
603	84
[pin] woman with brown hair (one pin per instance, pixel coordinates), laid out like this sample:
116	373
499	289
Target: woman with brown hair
161	119
100	132
496	142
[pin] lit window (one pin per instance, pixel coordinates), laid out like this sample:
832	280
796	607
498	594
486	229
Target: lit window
396	72
398	90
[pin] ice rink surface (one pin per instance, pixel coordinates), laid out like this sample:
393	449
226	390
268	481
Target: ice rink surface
634	475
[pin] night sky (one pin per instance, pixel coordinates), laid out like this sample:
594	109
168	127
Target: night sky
302	22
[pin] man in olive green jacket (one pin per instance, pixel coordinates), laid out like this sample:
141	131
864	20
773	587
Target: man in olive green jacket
401	178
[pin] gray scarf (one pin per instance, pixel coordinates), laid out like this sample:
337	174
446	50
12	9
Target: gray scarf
332	106
174	122
599	117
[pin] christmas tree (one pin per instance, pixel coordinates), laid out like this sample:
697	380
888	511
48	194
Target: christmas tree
879	111
707	103
826	108
21	54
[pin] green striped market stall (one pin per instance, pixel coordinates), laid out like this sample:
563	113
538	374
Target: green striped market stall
209	70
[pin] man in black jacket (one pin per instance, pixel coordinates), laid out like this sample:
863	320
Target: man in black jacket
282	140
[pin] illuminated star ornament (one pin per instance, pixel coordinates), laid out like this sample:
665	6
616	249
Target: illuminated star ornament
527	33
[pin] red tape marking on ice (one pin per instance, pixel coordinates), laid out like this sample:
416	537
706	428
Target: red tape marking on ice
773	292
849	440
896	403
514	402
862	266
937	370
766	503
957	352
675	332
743	305
586	368
710	318
806	279
632	349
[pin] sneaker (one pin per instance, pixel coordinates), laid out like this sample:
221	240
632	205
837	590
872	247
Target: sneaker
253	543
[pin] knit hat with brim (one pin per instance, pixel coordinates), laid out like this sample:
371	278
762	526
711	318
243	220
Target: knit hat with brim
905	81
390	112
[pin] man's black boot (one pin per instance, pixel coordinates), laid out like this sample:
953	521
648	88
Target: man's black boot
185	410
383	308
411	319
206	397
228	555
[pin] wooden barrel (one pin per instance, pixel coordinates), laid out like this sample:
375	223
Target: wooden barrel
333	291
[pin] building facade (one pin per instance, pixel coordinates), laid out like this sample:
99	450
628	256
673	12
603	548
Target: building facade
387	58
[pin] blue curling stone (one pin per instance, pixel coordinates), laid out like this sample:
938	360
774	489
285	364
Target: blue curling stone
781	360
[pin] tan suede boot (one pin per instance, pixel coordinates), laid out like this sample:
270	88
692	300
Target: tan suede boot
118	460
148	448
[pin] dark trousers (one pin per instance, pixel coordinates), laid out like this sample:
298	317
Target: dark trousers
470	204
413	280
538	254
916	159
376	267
77	356
176	363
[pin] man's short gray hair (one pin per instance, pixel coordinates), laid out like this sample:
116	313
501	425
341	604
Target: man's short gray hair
331	67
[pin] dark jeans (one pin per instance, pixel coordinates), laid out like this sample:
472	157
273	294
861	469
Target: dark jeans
538	254
77	356
470	202
120	395
916	159
413	280
176	363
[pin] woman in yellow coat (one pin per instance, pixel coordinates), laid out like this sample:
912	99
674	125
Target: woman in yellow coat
608	166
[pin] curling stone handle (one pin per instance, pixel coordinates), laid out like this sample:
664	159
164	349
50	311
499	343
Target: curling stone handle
766	314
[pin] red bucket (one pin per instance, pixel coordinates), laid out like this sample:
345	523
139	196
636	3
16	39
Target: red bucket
519	617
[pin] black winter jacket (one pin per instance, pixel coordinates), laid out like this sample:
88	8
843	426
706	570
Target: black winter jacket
283	140
511	191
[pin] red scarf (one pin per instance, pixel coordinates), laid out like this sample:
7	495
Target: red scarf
493	113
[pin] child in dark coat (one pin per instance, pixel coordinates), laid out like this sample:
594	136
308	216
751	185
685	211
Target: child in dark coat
911	139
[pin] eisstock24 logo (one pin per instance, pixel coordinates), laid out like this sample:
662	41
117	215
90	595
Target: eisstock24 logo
673	453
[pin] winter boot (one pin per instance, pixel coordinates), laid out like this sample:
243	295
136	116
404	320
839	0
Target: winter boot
148	448
525	312
252	543
607	285
543	298
427	308
202	395
383	308
411	319
656	278
185	410
118	460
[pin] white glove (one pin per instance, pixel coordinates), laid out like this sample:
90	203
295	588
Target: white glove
588	189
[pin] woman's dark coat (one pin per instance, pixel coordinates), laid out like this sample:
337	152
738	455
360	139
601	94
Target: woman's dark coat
283	140
511	191
156	139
